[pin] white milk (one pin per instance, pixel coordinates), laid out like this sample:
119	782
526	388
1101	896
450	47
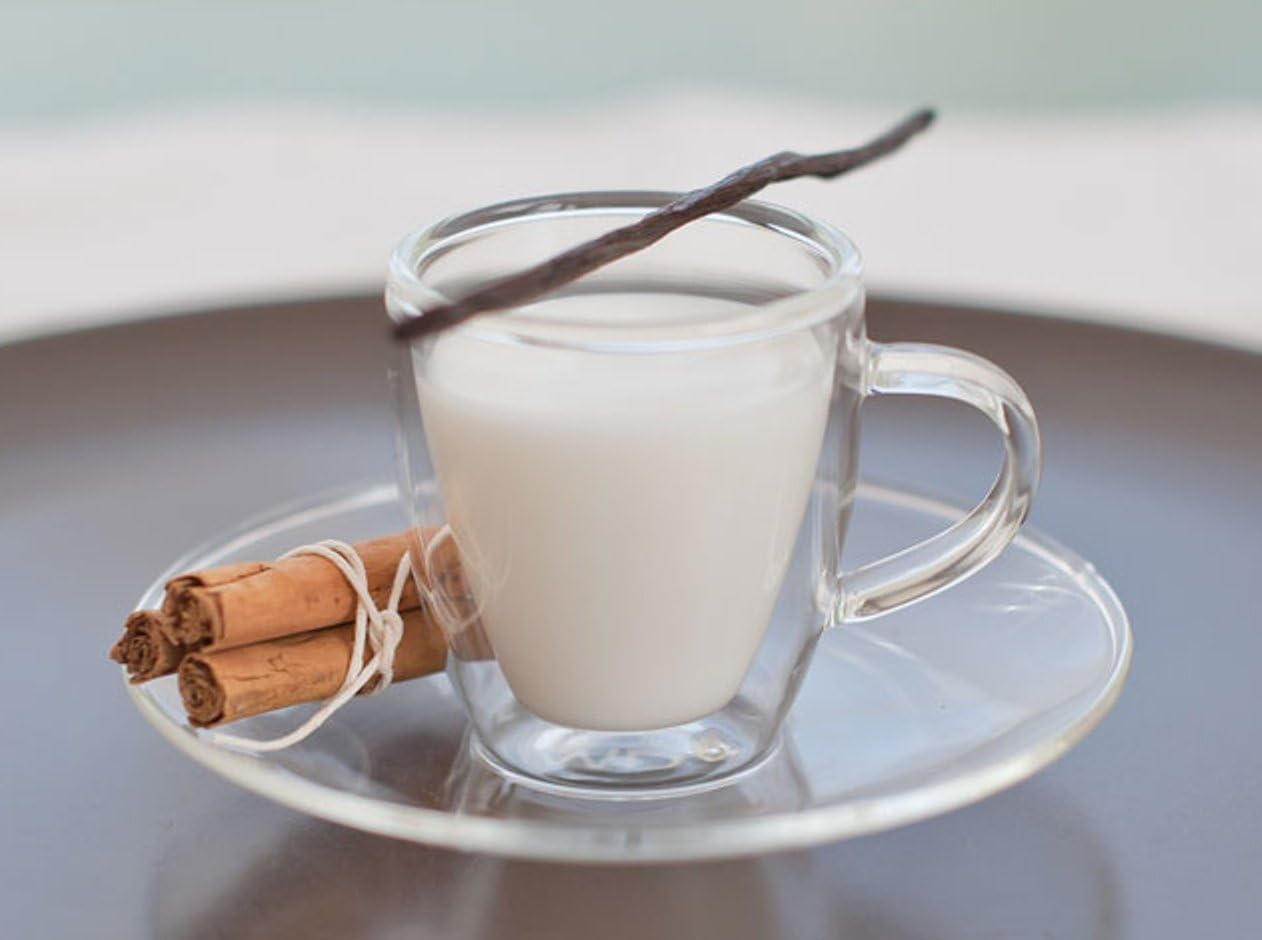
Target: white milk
626	520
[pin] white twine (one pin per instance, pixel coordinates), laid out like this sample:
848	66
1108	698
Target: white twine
380	627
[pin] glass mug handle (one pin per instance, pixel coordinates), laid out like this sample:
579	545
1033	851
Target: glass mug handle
950	556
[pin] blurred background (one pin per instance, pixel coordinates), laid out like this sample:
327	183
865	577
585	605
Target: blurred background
62	60
1096	159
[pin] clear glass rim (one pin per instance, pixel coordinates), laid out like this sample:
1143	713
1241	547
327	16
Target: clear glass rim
800	309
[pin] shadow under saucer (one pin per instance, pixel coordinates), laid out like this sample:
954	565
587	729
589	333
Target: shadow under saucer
1024	864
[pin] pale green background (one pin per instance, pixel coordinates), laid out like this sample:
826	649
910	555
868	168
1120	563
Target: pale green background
67	59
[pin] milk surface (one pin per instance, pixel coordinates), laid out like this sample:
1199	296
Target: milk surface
625	520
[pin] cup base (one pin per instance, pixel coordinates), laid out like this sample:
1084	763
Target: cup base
650	765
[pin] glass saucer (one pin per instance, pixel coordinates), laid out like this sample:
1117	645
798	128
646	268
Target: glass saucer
911	715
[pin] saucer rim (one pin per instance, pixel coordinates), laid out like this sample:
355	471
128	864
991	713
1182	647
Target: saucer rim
555	842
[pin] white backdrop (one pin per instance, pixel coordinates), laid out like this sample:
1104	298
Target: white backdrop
1151	221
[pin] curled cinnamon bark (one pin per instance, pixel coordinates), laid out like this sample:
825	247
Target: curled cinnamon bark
236	605
144	647
224	685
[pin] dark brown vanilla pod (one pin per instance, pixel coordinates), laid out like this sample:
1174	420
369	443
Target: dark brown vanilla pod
574	263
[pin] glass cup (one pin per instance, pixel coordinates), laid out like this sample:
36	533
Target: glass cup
644	481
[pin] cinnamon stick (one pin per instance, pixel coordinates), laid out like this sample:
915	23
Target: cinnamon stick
225	685
236	605
572	264
144	647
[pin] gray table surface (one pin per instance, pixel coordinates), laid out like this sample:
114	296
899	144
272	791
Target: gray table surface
121	447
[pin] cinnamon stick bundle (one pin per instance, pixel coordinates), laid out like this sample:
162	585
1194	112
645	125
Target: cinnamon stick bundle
219	686
232	605
253	637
